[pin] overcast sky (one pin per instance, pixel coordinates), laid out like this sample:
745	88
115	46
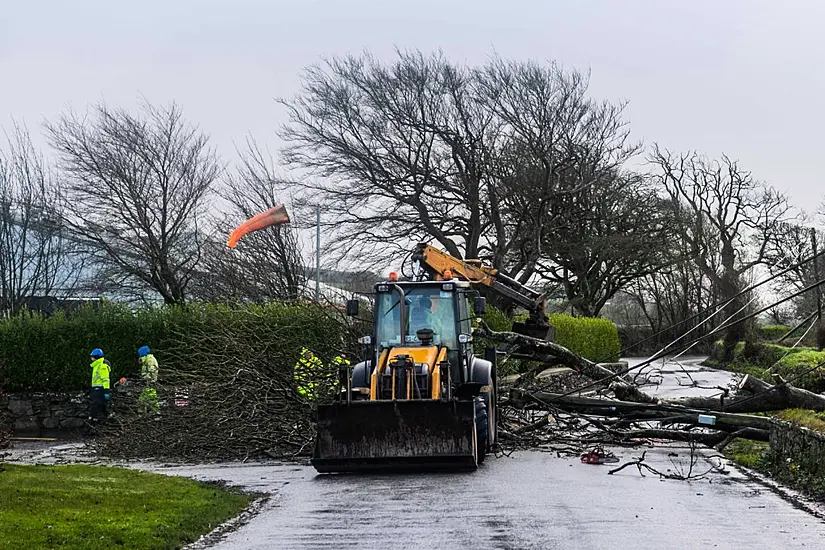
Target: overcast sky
745	77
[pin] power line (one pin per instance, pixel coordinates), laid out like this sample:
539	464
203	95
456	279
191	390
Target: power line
745	291
663	351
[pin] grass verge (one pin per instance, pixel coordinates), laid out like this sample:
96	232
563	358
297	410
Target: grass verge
803	417
747	453
91	507
798	472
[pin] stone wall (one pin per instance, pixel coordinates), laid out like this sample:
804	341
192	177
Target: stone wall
802	448
44	414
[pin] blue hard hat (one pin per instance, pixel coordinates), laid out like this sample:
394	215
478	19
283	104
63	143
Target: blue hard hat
143	351
97	352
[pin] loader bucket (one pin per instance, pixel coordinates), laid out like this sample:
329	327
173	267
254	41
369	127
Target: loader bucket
395	435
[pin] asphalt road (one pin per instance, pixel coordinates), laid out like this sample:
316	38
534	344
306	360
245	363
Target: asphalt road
528	500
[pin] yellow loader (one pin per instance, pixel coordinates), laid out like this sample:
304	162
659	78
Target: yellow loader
421	399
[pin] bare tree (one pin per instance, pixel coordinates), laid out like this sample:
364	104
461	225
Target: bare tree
551	143
790	245
719	208
601	238
672	297
138	186
787	251
37	256
425	150
266	265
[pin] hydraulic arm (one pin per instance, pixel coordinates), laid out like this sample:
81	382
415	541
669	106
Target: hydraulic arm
440	265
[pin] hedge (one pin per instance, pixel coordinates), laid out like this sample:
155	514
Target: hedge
593	338
771	333
765	355
52	353
40	353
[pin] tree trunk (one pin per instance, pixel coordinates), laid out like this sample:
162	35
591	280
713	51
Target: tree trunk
735	333
762	397
626	409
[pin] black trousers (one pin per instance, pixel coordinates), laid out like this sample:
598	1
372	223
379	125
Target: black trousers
97	403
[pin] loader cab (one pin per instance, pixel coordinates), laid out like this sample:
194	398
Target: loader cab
424	307
440	306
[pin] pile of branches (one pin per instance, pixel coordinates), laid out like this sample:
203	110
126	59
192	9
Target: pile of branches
234	399
610	406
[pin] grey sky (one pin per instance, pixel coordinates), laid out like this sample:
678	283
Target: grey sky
743	77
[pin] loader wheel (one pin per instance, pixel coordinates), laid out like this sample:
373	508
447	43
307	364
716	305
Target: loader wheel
482	429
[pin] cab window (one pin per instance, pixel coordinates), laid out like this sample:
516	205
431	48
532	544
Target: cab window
425	308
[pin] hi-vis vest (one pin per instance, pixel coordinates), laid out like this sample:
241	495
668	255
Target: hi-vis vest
100	374
149	368
306	372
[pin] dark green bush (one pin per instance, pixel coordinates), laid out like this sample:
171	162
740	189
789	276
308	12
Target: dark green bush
497	320
638	341
643	341
52	353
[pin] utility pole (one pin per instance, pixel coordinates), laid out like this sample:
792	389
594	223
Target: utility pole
317	252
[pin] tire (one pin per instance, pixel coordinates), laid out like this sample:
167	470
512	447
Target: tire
491	401
482	430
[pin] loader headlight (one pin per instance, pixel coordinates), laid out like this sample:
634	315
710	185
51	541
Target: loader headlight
465	338
365	340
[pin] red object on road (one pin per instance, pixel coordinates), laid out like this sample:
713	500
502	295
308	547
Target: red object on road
598	456
274	216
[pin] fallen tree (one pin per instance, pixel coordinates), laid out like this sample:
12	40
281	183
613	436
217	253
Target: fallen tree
242	402
630	410
232	392
633	415
753	395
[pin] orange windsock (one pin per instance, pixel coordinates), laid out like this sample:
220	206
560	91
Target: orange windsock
274	216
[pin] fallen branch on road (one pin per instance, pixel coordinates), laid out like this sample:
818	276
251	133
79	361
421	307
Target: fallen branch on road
681	472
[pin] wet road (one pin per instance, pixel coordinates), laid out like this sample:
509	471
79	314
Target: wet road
527	500
683	377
